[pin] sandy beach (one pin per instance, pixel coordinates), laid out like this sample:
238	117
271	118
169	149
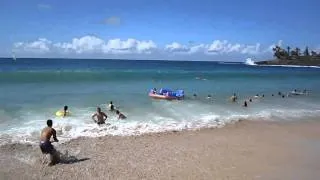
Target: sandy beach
243	150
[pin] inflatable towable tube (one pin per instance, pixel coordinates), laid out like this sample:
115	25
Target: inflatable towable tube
168	94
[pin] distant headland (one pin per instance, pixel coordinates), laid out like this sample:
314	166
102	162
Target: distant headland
293	57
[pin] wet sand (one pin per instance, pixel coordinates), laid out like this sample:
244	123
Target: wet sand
244	150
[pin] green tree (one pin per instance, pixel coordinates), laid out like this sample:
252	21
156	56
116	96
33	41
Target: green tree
288	48
313	53
276	52
297	51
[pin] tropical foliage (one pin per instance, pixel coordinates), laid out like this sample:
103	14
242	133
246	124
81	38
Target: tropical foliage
289	54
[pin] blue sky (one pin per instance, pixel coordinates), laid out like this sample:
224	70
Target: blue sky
158	29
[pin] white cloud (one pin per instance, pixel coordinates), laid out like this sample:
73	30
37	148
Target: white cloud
251	49
41	45
225	47
176	47
117	46
86	44
201	48
93	45
216	47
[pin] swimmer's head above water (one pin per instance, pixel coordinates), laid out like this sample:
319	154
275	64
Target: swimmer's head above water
49	123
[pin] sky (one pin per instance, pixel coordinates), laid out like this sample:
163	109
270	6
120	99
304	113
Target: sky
157	29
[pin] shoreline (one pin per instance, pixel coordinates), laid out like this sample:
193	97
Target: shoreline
241	150
288	62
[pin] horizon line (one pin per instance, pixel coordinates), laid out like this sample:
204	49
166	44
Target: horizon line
120	59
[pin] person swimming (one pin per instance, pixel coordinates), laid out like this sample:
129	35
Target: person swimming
111	106
250	100
45	143
245	104
101	116
65	111
234	97
120	115
209	96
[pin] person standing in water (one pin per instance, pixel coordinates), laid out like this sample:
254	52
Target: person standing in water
245	104
101	116
234	97
120	115
111	106
65	111
45	143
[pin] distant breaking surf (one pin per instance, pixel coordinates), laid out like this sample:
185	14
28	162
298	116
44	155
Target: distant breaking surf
250	62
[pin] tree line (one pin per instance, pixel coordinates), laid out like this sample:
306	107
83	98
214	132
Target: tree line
295	53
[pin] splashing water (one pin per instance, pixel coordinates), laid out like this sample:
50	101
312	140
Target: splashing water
250	62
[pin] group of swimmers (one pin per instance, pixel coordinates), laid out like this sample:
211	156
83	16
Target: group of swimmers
102	117
45	144
234	97
48	132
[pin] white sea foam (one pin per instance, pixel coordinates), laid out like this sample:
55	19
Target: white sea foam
166	116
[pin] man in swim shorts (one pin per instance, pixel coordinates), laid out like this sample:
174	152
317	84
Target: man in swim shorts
101	116
45	143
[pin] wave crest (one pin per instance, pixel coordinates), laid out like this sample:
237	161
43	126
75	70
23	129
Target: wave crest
250	62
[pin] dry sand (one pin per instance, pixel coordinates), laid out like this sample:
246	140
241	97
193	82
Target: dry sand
244	150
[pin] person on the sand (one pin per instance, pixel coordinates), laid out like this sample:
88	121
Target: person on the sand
120	115
45	143
101	116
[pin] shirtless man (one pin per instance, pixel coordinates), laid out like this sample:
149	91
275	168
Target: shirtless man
101	116
45	143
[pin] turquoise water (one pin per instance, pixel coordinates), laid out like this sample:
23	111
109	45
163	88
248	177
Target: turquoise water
32	90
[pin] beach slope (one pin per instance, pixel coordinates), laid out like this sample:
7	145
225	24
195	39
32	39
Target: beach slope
244	150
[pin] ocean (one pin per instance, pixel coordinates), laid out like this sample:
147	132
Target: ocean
32	90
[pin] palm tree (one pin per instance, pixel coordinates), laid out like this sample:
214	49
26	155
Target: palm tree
313	53
298	51
276	51
306	52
